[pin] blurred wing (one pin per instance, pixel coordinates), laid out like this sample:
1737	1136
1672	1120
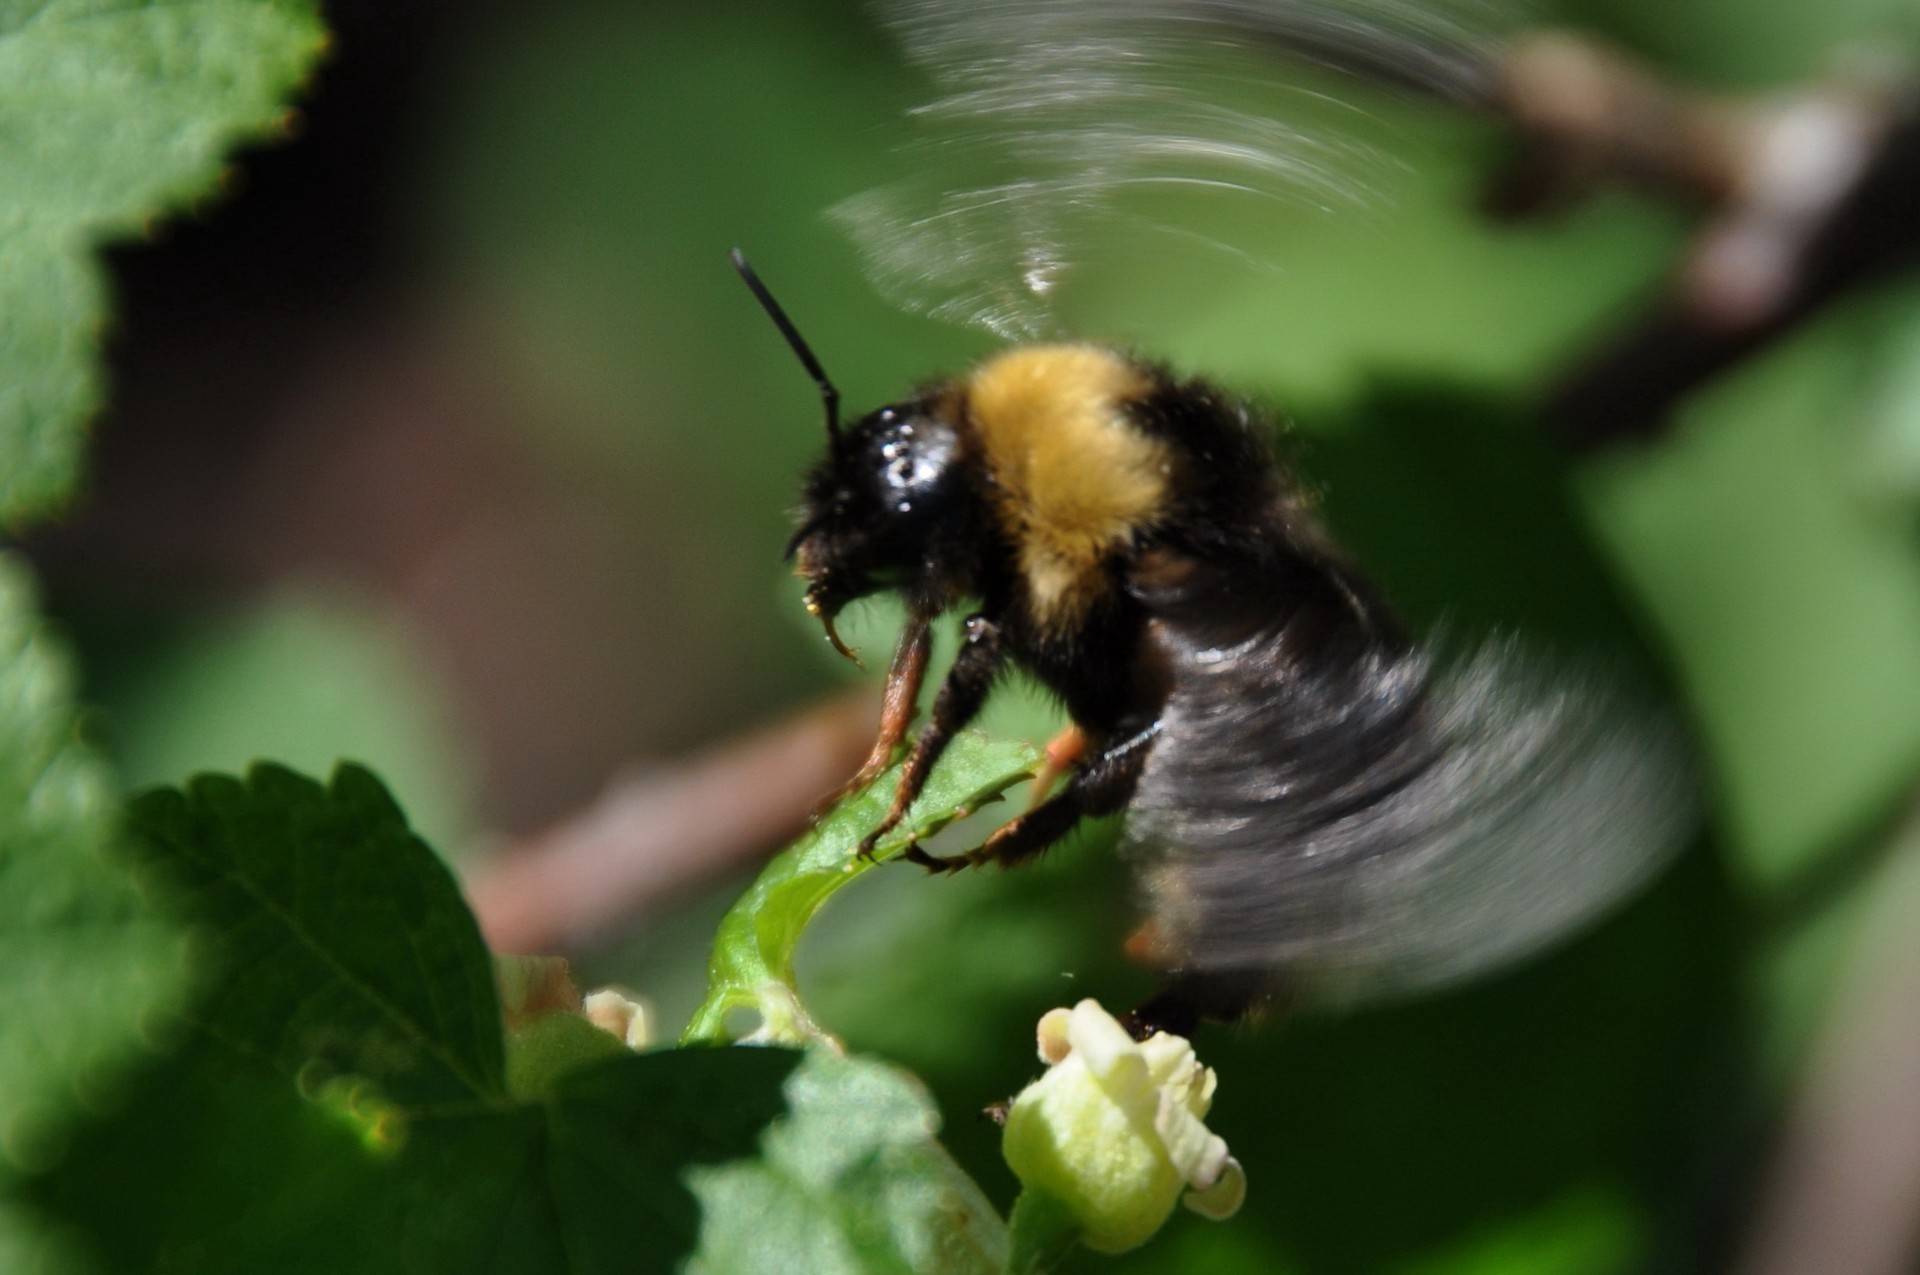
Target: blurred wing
1050	111
1386	827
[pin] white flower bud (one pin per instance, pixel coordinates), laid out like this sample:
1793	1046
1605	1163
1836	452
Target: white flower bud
1115	1130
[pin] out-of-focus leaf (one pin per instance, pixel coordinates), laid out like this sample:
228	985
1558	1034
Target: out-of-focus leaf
89	967
1791	607
852	1180
1886	435
305	676
551	1047
1451	501
1589	1233
1418	283
115	112
752	963
765	117
337	1099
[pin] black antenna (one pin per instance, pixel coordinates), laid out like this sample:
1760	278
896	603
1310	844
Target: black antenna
828	395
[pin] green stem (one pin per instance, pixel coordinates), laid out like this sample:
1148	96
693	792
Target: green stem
1043	1231
752	962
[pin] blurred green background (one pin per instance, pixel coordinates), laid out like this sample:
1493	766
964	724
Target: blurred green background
450	443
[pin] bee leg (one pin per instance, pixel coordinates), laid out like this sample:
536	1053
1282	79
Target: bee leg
904	677
914	854
1063	752
1102	786
975	668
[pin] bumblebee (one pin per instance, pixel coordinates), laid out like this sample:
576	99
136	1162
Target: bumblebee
1318	802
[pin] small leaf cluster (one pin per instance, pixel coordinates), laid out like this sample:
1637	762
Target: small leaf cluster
333	1095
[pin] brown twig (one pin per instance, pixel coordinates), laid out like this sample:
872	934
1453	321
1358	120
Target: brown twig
1843	1190
655	835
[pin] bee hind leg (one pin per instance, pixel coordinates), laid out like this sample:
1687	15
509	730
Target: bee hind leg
1063	752
1102	786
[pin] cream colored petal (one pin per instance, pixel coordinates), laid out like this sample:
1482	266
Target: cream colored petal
1192	1087
1052	1035
1197	1154
1203	1098
1168	1057
1224	1198
1111	1057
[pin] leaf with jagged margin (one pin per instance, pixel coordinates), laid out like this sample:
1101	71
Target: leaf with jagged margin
337	1098
353	952
852	1179
88	967
220	1165
110	113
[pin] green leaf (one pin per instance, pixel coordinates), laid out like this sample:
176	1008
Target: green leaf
1588	1232
1885	449
88	964
553	1046
852	1179
327	893
752	963
1792	608
338	1099
113	112
1460	512
217	1166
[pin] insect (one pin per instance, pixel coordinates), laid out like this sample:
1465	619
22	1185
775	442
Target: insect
1316	799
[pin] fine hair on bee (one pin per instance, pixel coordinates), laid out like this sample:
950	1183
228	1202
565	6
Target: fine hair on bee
1318	804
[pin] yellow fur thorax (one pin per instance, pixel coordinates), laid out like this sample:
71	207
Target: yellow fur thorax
1076	478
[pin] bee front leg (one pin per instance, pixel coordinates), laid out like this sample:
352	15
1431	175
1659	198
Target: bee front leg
904	677
975	668
1102	786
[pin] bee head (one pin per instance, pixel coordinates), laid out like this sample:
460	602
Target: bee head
886	508
881	508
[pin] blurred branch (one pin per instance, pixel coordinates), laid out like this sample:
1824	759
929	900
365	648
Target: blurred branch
1804	197
1843	1191
658	834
